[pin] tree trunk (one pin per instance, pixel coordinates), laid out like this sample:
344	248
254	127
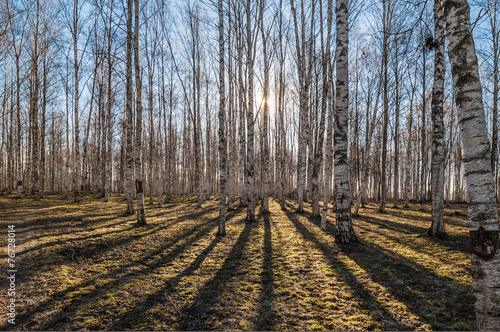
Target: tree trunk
34	109
329	135
18	131
281	141
370	127
77	165
492	10
222	122
141	217
385	56
250	121
409	145
319	139
152	148
231	163
129	155
242	122
344	232
303	105
483	213
396	129
109	105
42	125
265	135
423	150
437	177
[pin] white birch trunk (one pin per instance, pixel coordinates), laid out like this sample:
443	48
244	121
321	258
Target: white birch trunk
222	122
423	150
141	216
19	137
129	155
302	139
34	106
318	149
77	166
250	121
483	213
109	105
385	55
344	232
265	134
437	166
328	149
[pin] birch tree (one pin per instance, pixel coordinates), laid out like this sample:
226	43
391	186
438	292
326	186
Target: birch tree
76	124
423	150
303	51
129	155
250	117
386	20
17	45
317	146
222	121
482	205
109	105
344	232
437	167
34	102
141	217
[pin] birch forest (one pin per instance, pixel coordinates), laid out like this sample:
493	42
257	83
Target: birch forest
250	164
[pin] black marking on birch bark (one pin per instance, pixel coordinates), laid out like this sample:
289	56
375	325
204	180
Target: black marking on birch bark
480	217
138	186
478	157
467	118
19	183
484	243
479	172
430	43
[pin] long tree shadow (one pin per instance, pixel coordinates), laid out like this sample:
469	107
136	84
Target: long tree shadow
449	219
455	242
86	219
265	320
345	274
196	316
128	320
442	300
330	228
54	242
100	223
194	232
389	224
135	316
118	282
409	282
86	250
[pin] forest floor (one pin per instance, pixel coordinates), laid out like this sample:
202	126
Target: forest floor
87	266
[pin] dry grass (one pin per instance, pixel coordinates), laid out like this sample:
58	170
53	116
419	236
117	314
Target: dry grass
86	266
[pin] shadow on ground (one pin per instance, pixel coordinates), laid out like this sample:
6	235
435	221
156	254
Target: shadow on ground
87	266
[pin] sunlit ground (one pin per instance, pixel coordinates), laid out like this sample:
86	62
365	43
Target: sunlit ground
87	266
